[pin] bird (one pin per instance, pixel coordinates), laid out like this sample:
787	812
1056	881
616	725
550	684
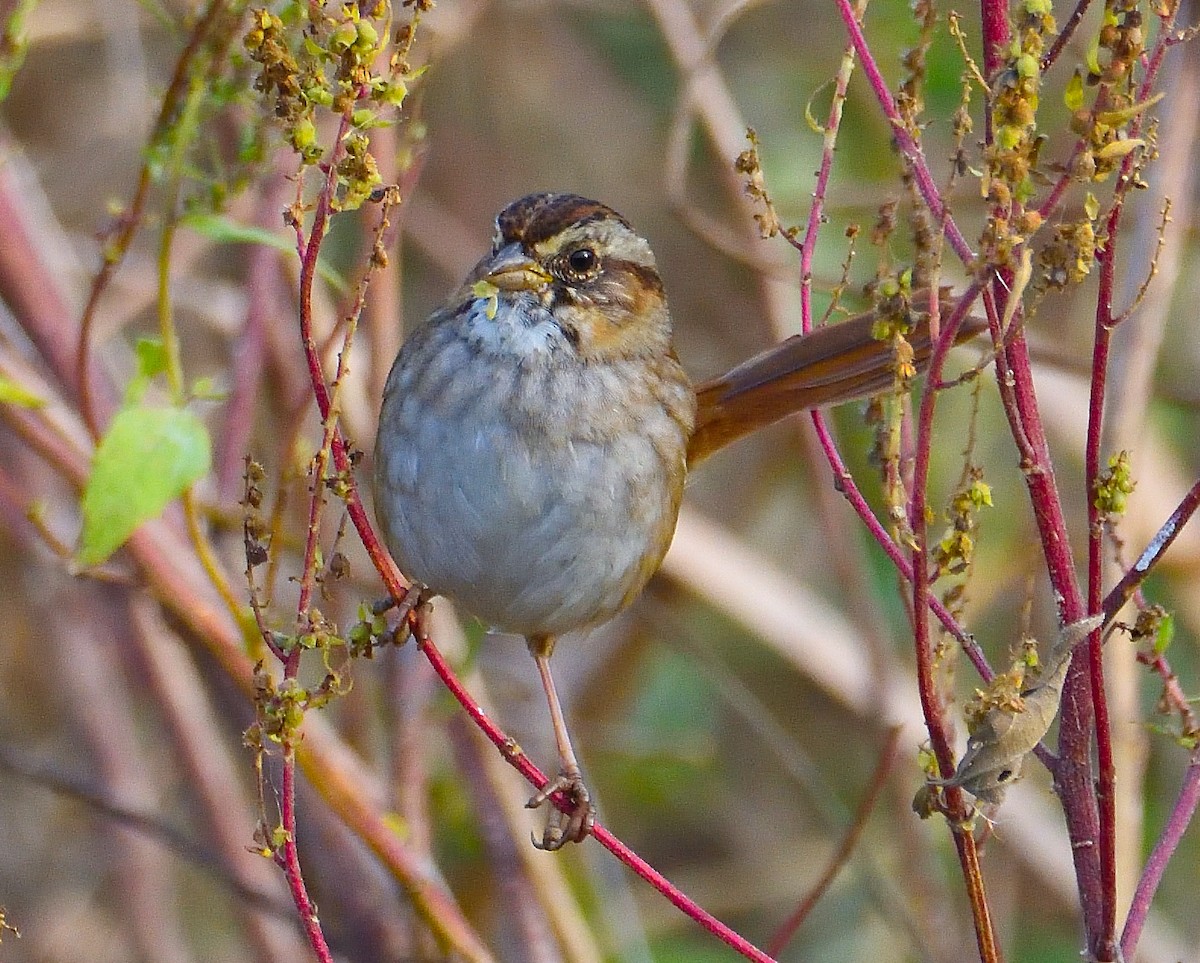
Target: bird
536	432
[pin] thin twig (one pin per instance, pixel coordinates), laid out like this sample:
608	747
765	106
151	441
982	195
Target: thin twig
1152	554
513	754
117	246
910	150
816	211
1065	35
940	729
1164	849
887	758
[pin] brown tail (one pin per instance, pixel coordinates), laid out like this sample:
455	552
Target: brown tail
836	363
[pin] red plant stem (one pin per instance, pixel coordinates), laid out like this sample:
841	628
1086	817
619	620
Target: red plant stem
308	255
909	149
341	459
291	861
858	824
1152	554
1106	786
1067	32
940	732
1073	776
931	702
1090	813
1164	849
309	252
518	760
993	17
1104	946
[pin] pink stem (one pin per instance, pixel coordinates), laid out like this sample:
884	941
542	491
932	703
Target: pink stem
816	213
1160	857
291	862
516	758
845	484
1073	776
1153	553
1106	784
909	148
993	17
932	706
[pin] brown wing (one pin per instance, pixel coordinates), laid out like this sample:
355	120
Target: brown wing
837	363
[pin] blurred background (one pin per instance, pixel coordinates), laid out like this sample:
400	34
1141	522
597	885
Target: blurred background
732	720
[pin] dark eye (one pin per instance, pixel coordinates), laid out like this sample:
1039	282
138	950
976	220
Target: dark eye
582	261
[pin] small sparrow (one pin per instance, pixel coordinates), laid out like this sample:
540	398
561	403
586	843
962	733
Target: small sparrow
536	433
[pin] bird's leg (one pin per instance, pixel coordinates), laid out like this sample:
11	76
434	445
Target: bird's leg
561	828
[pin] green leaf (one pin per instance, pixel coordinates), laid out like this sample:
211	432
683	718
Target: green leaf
205	389
145	460
217	227
1073	95
151	356
12	393
1165	634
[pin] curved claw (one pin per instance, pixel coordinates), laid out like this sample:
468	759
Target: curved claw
563	828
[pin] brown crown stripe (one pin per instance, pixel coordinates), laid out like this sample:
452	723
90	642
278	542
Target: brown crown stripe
539	217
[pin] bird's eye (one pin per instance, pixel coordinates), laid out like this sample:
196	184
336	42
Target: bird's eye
582	260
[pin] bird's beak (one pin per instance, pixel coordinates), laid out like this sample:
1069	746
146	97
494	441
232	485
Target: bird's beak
511	269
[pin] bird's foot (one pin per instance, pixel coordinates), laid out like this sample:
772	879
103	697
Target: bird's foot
411	610
564	827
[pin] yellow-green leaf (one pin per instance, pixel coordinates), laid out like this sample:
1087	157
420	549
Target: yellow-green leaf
1119	148
223	230
1073	95
12	393
146	459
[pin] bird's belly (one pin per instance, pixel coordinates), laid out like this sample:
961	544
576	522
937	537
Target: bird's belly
531	536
